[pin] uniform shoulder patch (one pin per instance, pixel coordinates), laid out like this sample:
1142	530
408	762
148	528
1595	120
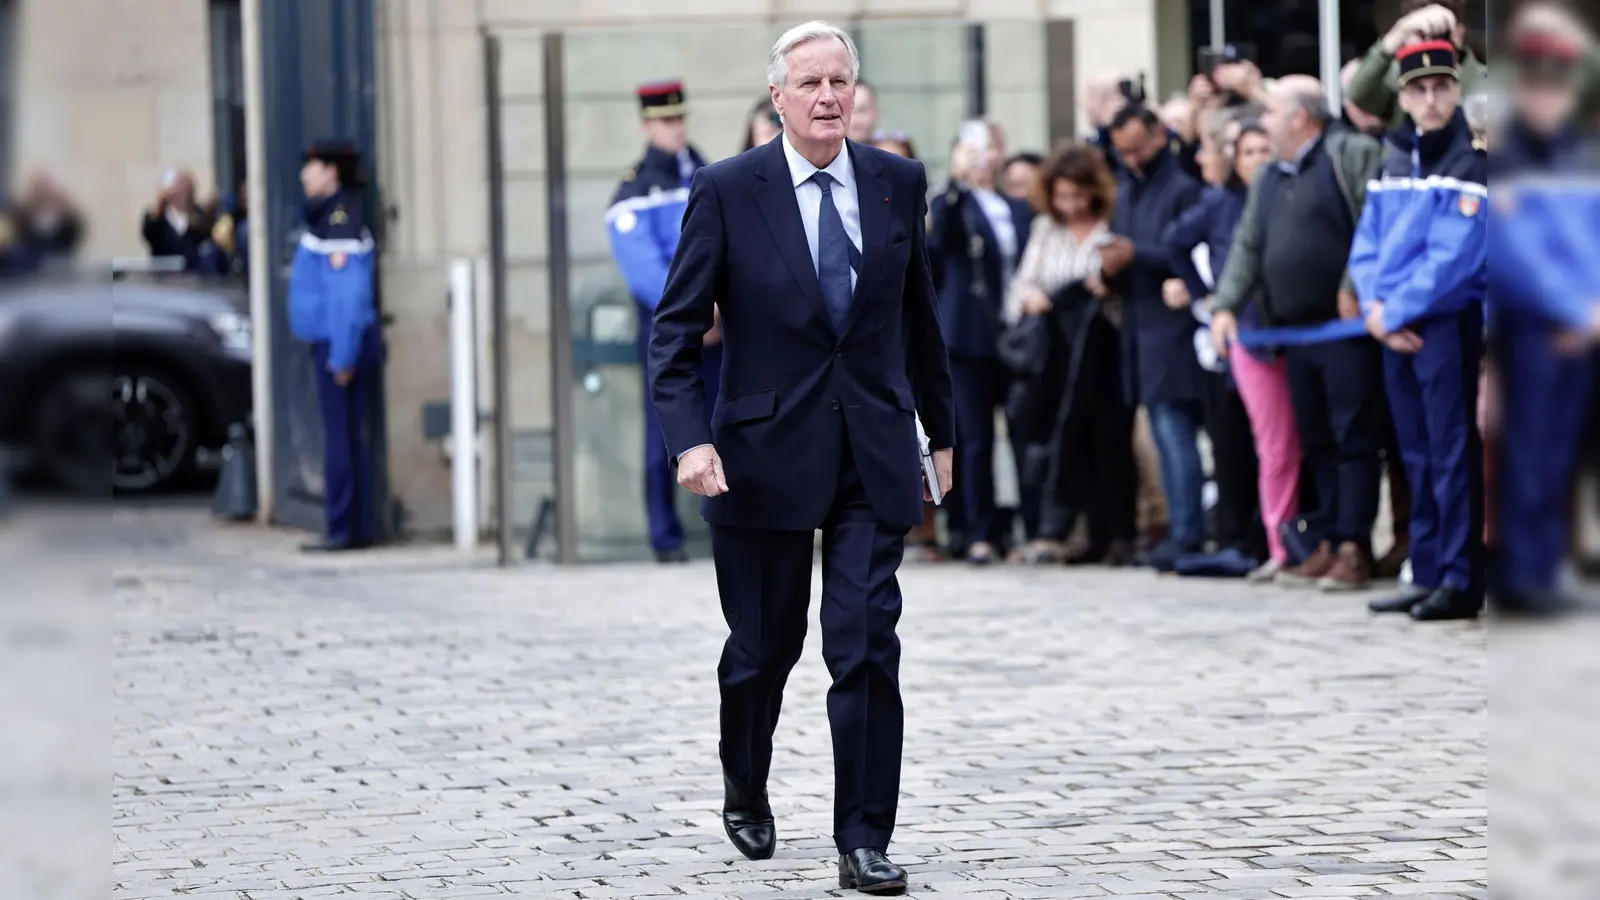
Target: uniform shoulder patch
1468	205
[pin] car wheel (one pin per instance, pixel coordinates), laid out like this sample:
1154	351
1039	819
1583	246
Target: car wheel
150	428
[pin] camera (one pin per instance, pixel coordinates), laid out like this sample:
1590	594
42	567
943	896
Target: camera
1211	57
1135	94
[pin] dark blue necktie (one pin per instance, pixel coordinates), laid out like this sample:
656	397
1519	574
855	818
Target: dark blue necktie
834	254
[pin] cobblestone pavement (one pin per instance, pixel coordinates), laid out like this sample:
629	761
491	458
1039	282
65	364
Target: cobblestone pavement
412	725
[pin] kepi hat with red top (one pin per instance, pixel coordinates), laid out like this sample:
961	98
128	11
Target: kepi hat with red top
1546	53
1426	58
662	100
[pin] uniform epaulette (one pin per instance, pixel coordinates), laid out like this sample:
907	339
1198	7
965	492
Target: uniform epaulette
1480	145
630	173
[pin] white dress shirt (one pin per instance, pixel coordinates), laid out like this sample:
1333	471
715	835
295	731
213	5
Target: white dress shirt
809	197
998	212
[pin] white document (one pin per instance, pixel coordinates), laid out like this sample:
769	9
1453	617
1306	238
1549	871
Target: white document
929	475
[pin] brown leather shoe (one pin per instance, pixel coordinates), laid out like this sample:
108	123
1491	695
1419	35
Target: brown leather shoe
1309	572
1351	572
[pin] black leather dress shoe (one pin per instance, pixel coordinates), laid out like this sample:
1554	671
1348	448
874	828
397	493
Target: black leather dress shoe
1404	603
1447	604
747	818
870	872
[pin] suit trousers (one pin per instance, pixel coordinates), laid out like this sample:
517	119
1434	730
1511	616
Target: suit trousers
1433	394
764	581
1337	391
1234	467
980	390
347	484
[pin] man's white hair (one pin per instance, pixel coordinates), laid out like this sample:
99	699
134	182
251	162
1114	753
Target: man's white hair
778	59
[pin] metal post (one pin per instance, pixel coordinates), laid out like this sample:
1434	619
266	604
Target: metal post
503	459
1328	52
463	407
255	154
1219	25
977	92
559	258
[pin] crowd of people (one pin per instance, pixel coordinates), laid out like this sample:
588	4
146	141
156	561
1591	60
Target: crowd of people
1300	288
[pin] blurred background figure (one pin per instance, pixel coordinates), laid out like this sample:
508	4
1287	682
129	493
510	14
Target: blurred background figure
51	224
230	236
1355	117
1019	174
896	142
644	220
1070	422
1152	190
1545	291
763	125
331	308
865	118
976	238
1228	156
175	225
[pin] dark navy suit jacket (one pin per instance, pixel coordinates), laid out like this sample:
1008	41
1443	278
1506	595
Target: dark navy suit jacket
969	300
793	388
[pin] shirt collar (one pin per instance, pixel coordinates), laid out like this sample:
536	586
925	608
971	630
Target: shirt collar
1293	166
800	168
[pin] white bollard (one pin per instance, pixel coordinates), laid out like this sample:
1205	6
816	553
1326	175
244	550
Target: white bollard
463	406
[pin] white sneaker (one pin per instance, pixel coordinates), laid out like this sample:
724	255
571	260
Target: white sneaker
1265	573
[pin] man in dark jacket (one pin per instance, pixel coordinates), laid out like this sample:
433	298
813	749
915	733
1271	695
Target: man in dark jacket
1152	190
1293	243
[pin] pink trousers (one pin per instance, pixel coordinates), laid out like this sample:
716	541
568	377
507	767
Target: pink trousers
1264	388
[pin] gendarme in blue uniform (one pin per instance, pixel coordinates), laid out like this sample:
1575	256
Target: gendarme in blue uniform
1544	279
1421	251
643	222
331	309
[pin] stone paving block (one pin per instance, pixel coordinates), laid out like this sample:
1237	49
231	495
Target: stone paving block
406	725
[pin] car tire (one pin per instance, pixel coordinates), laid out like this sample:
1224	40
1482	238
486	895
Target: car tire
143	442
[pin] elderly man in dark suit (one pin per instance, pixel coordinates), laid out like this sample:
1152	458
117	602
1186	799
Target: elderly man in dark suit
812	247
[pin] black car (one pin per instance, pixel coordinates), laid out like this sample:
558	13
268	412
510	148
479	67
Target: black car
171	353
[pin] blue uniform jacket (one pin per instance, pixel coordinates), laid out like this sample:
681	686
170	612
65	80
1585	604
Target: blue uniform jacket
330	281
1547	212
645	219
1422	245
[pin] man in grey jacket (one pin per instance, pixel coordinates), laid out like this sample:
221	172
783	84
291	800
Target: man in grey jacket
1292	245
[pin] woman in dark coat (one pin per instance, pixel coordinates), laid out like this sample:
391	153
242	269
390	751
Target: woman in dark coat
1071	422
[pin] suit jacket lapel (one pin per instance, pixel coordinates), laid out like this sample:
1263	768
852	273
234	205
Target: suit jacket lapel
775	199
874	199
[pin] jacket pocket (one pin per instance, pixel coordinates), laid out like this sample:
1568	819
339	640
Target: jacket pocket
751	407
903	397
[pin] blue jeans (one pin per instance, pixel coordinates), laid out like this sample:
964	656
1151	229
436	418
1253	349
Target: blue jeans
1175	428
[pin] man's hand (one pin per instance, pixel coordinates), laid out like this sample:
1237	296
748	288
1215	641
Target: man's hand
1428	22
1175	293
1116	256
714	336
1202	93
943	462
700	472
1224	331
1035	302
1403	341
343	379
1096	286
1349	306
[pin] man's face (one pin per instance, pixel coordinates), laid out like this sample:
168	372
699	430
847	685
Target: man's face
669	134
1431	101
1281	120
864	119
817	99
1019	178
1545	102
1135	144
319	179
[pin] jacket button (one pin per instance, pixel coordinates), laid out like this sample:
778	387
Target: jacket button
838	354
835	406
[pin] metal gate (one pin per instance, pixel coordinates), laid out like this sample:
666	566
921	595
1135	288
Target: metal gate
319	81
